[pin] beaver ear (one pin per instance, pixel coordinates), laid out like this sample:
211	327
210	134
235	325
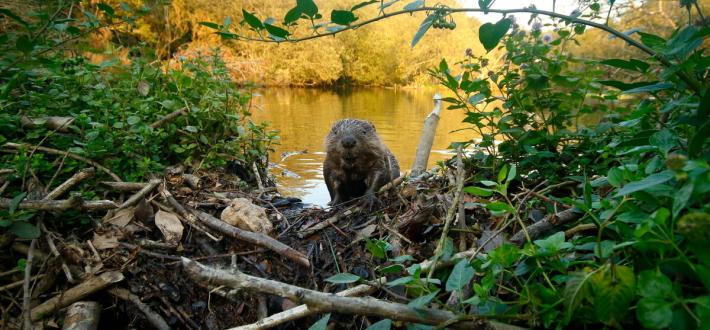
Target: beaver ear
371	125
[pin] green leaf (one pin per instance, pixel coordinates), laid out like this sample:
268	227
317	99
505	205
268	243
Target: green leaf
489	183
321	324
414	5
553	243
403	258
24	44
614	290
511	173
252	20
210	25
448	249
24	229
106	9
400	281
654	313
625	86
654	284
632	64
385	324
423	28
292	15
476	191
587	192
652	40
377	248
695	146
132	120
343	278
276	31
682	197
307	7
15	202
502	173
650	88
476	99
460	276
491	34
422	301
391	269
16	18
577	289
648	182
702	309
664	139
342	17
499	207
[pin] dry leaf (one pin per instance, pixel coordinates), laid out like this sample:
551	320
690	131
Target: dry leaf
366	232
170	226
121	218
143	87
241	213
103	242
144	212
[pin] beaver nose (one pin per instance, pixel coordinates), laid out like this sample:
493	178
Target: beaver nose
348	142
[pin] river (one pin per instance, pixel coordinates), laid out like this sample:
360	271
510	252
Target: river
304	116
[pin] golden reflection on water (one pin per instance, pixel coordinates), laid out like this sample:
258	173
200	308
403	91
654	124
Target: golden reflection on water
304	117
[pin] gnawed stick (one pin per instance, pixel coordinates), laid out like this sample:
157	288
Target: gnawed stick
75	202
168	118
55	252
124	186
76	178
302	311
427	139
26	288
539	228
72	155
327	302
154	318
19	283
254	238
140	194
75	293
188	217
327	222
82	315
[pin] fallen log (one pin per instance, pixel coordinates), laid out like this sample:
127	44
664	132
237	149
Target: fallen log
74	202
302	311
74	294
254	238
328	302
543	226
124	186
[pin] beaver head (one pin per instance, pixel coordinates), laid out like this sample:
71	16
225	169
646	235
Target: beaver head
354	143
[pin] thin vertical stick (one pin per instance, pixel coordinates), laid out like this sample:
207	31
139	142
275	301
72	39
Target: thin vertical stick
427	139
26	287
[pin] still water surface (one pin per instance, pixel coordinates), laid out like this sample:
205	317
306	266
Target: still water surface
304	117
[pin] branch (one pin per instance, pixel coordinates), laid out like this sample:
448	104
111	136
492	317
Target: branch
302	311
76	178
154	318
537	229
124	186
168	117
74	202
76	293
72	155
140	194
692	82
254	238
328	302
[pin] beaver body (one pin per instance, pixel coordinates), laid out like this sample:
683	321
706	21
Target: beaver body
357	162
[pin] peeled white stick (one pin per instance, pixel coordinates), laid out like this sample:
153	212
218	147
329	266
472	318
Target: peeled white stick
82	315
427	139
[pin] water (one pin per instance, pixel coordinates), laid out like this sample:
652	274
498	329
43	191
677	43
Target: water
304	117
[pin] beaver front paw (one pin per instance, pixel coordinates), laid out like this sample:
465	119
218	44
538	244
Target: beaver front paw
369	201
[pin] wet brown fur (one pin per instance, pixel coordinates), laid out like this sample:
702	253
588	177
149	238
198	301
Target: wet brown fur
361	169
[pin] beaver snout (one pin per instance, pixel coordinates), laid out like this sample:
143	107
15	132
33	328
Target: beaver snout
348	142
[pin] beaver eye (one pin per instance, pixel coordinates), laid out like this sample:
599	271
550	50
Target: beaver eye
364	132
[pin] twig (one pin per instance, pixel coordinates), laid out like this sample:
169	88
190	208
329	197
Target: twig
303	233
55	252
186	216
537	229
254	238
18	146
302	311
168	118
124	186
26	287
74	202
327	302
140	194
19	283
451	211
76	178
154	318
76	293
258	177
579	228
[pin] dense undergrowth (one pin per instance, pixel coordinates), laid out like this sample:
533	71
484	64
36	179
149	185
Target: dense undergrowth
110	110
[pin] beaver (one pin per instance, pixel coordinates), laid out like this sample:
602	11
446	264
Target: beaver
357	162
